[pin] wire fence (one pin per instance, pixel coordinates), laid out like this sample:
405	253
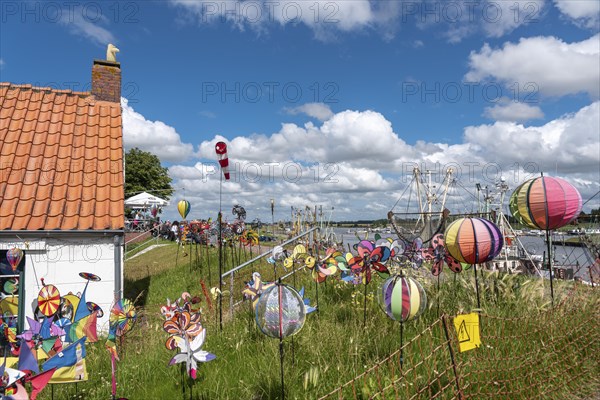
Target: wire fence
558	355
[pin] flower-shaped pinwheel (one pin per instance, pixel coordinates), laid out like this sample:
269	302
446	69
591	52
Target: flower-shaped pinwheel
279	254
299	254
438	256
254	288
249	238
191	352
183	324
185	333
238	227
334	260
369	258
404	252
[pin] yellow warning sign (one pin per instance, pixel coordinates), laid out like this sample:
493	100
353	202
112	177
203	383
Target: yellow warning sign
467	331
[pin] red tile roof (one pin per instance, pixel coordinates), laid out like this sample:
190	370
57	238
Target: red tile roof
61	160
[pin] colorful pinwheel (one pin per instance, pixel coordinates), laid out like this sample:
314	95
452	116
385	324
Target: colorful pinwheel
88	276
186	334
184	324
299	253
309	309
190	351
438	256
249	238
121	320
239	212
329	266
370	258
48	300
254	288
122	316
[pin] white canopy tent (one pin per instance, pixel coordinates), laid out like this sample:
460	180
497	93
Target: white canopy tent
145	200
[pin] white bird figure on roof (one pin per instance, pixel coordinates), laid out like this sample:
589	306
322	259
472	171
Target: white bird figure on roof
111	53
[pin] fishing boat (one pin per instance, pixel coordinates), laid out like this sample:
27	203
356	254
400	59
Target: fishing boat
523	252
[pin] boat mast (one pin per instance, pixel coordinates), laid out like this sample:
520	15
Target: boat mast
449	173
417	179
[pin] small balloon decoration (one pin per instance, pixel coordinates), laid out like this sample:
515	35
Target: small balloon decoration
545	203
473	240
14	257
184	208
402	298
280	311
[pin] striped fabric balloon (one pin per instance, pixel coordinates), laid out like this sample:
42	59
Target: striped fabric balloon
545	203
473	240
402	298
221	150
184	208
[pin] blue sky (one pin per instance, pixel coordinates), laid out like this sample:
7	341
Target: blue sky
359	90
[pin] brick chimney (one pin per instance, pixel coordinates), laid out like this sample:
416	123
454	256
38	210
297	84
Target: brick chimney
106	80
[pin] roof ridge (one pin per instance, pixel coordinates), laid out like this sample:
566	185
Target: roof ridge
10	85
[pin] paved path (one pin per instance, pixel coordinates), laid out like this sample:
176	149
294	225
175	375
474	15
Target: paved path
146	250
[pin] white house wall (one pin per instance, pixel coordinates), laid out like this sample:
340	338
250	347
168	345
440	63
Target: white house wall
60	263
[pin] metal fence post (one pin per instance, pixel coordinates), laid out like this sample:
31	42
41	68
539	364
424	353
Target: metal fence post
451	351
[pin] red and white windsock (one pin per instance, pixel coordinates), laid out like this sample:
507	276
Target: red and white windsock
221	149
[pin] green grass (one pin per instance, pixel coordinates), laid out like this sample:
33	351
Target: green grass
334	346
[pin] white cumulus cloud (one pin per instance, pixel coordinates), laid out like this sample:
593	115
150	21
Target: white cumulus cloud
461	19
555	67
356	162
585	13
153	136
570	143
508	110
325	18
319	111
83	25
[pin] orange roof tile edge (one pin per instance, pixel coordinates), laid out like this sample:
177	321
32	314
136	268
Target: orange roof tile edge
40	190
